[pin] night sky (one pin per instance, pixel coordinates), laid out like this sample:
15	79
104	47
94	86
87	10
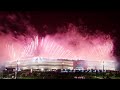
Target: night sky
105	21
46	22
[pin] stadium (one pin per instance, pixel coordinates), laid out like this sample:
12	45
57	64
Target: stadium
50	64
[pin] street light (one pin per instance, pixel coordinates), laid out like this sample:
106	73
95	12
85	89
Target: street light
17	69
103	69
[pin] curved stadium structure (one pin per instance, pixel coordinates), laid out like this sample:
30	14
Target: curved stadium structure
44	63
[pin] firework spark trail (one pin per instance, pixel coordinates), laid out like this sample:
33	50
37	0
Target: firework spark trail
29	48
50	47
61	51
55	50
46	45
11	52
70	54
43	47
65	55
42	43
23	54
42	40
70	45
62	55
32	47
36	42
7	47
58	51
26	50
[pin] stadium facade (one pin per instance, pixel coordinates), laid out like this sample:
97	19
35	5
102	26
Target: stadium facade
44	63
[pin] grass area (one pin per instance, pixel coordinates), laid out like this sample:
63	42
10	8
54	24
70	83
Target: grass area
26	78
63	78
59	75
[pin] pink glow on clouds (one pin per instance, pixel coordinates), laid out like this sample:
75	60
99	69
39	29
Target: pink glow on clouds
70	45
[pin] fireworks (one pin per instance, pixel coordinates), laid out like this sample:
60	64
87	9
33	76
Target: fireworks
50	47
71	45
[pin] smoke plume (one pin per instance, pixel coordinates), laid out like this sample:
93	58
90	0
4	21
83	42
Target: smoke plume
20	39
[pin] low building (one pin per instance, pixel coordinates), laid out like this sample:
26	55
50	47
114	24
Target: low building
44	63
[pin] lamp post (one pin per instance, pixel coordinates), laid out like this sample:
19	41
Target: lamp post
17	69
103	69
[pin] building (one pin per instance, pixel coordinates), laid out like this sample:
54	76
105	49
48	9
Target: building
44	63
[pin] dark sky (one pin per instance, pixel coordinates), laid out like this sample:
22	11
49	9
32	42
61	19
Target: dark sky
106	21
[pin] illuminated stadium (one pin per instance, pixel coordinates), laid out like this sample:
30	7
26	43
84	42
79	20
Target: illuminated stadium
59	53
44	63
